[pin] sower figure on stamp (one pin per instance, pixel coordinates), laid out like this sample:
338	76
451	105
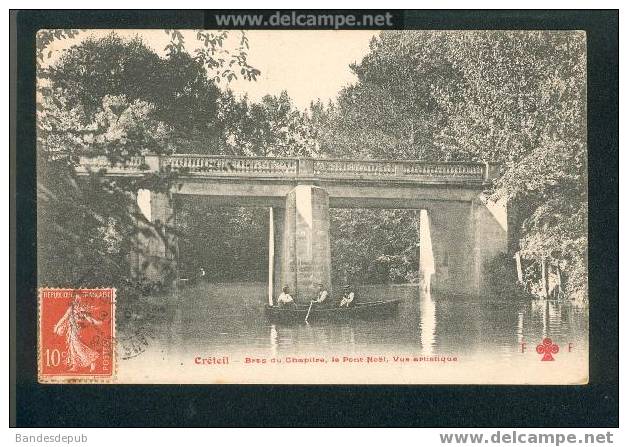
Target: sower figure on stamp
79	355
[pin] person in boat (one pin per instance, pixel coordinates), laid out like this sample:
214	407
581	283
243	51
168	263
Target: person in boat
323	296
348	297
285	299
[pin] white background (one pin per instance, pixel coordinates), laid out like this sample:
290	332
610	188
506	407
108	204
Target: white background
280	437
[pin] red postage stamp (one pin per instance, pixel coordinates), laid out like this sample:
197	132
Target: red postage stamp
76	335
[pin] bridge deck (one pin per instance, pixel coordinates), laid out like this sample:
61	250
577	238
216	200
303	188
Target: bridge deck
259	181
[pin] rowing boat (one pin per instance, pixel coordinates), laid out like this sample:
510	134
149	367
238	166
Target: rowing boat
365	311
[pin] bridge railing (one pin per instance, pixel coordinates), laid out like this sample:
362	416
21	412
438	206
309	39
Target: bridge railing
134	165
411	170
213	165
207	164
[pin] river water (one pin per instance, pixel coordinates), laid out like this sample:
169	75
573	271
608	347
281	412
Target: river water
229	319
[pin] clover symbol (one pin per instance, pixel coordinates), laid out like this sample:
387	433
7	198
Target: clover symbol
547	348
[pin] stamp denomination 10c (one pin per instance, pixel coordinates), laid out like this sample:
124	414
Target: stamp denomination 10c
76	335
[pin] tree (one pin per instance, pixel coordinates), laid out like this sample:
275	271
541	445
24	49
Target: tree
271	128
90	223
177	86
207	239
114	98
523	104
389	112
377	246
517	98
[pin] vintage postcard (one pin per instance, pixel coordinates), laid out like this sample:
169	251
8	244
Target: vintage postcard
312	207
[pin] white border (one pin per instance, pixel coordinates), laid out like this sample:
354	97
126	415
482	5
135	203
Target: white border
307	437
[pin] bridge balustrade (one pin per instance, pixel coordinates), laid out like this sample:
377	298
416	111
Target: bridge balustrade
213	165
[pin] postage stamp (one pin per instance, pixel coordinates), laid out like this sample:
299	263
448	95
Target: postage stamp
76	335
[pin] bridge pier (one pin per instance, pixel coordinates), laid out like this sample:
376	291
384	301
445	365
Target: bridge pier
453	249
490	228
156	254
278	218
458	241
305	250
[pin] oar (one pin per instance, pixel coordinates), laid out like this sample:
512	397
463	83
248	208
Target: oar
308	311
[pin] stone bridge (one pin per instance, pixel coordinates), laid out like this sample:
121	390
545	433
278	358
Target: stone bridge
460	230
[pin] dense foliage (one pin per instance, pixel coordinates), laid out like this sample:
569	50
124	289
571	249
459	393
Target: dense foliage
374	246
517	98
116	98
229	243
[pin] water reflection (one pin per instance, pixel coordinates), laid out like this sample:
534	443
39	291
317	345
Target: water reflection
427	326
229	318
519	328
550	313
273	340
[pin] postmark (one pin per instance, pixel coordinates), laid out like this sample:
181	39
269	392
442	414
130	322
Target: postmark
136	327
76	334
